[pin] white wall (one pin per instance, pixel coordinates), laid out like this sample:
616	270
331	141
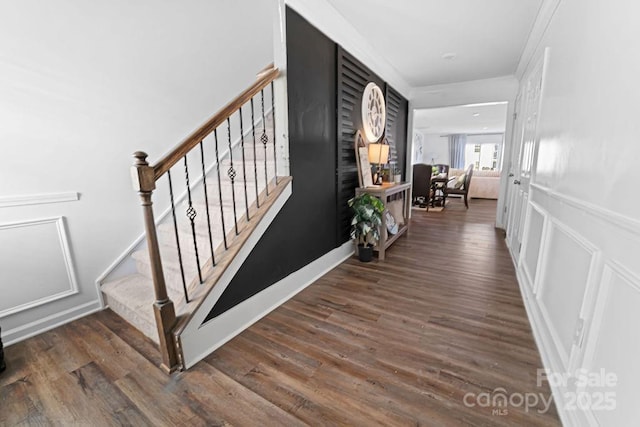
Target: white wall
84	84
436	147
579	268
418	147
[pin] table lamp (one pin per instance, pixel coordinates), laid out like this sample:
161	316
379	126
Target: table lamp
378	154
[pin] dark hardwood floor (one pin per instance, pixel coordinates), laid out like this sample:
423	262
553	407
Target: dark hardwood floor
406	341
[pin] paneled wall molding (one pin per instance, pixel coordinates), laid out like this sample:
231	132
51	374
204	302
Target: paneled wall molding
551	359
618	291
38	199
599	297
593	253
533	277
623	221
578	262
66	255
556	342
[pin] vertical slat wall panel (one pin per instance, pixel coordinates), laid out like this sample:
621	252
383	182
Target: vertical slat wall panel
352	77
396	127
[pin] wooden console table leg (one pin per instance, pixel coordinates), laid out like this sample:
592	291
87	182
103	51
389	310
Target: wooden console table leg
382	243
407	208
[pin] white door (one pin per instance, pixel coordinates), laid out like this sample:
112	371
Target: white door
525	140
513	166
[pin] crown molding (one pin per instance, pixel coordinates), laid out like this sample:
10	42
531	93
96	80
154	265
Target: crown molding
545	14
327	19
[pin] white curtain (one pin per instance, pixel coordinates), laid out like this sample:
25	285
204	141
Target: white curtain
457	145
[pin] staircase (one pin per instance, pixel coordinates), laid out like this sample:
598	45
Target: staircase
220	183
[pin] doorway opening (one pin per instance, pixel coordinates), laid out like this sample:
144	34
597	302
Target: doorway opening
471	135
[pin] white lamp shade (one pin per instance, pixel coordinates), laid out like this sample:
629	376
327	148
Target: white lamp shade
378	154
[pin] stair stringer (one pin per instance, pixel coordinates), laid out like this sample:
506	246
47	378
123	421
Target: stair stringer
219	330
191	337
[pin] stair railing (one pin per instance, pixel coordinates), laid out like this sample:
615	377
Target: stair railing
145	177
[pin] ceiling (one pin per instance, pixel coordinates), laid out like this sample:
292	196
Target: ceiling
480	118
485	37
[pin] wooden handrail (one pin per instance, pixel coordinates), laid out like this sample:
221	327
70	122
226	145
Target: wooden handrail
163	165
265	70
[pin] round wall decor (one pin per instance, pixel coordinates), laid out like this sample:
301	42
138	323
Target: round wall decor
374	112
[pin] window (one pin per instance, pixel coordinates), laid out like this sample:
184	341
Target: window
483	156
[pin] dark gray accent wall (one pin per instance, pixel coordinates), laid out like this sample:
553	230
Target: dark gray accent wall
305	228
325	85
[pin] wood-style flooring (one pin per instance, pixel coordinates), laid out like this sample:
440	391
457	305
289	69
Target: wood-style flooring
399	342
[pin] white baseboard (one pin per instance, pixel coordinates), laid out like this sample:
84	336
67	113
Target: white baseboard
39	326
224	327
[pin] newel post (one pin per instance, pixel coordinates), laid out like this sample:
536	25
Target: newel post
144	183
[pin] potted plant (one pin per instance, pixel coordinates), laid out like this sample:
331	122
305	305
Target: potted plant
365	224
397	174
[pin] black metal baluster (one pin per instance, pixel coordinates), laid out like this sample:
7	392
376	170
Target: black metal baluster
175	228
264	139
273	117
231	172
255	160
224	230
244	167
206	201
191	214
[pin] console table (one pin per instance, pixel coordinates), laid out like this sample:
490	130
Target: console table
388	192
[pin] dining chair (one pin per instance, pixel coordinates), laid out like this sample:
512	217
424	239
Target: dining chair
439	183
421	189
464	188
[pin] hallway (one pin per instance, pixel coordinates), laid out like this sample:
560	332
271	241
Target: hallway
414	340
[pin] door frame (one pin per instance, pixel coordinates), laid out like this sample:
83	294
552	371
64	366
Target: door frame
519	184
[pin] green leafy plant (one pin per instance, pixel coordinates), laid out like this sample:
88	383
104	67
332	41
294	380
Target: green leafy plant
366	219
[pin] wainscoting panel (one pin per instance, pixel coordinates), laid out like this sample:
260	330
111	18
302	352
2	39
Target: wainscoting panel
583	306
35	263
613	345
535	230
564	278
